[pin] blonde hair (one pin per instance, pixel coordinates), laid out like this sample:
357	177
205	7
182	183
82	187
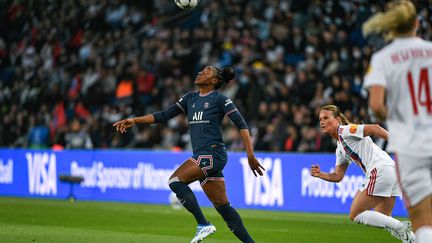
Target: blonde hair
399	18
337	113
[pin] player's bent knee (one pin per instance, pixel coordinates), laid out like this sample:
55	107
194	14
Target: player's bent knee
172	182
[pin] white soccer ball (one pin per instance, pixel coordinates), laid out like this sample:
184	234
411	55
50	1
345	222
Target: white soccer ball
175	203
187	4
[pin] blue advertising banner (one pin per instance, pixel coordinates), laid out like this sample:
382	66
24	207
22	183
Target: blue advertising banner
141	176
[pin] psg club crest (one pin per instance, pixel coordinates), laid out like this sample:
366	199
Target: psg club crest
206	105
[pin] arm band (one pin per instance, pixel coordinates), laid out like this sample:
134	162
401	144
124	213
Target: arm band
237	119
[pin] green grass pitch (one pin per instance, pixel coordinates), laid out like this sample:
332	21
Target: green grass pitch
38	220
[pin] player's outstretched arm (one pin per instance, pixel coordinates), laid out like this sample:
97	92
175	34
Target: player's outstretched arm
375	130
123	125
255	166
155	117
335	176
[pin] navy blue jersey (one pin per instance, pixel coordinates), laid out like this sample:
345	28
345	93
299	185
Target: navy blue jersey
205	114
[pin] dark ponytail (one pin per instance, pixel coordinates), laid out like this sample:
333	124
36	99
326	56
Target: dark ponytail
224	76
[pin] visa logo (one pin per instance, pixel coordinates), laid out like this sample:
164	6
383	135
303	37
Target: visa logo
266	190
42	173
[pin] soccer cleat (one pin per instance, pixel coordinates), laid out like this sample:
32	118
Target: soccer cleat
403	232
412	237
203	230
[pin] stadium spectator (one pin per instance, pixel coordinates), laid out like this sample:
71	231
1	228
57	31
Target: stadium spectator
70	51
77	137
38	137
205	110
400	90
379	188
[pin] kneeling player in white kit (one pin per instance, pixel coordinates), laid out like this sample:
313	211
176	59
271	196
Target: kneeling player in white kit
400	90
379	188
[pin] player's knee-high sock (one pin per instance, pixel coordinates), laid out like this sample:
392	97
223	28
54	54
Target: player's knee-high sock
188	199
376	219
234	222
424	234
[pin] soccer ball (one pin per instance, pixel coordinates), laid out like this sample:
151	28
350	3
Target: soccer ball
187	4
175	203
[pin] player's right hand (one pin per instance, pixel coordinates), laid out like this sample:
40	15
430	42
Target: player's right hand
122	125
315	170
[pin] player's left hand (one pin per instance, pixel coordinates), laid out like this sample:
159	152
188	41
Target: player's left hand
255	166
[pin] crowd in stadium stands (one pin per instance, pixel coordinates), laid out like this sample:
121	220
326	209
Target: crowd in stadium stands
69	69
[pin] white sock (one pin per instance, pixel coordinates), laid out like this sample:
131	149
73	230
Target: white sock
376	219
424	234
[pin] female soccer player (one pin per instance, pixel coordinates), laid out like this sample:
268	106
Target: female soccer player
399	76
379	187
205	110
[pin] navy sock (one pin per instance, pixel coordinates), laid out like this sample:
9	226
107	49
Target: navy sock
234	222
189	201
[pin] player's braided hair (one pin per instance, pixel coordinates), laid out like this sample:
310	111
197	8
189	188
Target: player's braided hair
337	113
399	18
224	76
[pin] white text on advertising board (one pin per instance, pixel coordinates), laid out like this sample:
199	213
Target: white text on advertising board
142	177
42	174
266	190
315	187
6	172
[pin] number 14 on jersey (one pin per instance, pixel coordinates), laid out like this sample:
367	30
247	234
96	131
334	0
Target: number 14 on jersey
422	96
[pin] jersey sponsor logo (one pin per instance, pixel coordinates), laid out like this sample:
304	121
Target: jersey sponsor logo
42	173
6	172
197	116
266	190
228	101
353	128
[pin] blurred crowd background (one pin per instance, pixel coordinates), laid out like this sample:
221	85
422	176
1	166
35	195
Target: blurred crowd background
70	69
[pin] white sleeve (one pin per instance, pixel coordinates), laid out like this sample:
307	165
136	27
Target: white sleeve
375	74
351	131
340	158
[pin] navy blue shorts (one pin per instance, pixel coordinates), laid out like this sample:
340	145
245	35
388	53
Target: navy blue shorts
211	161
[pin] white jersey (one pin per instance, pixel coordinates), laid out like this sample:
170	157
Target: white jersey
352	146
404	69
